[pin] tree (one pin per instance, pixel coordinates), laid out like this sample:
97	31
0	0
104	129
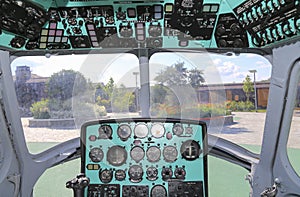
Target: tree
61	87
248	87
61	84
178	75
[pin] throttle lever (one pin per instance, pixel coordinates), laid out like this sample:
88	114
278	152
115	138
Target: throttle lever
78	184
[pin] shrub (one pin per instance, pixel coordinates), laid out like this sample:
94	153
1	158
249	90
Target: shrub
240	106
40	109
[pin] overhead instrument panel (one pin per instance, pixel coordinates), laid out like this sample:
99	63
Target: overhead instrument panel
91	25
144	157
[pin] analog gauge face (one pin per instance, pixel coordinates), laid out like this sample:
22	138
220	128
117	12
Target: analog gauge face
116	155
190	150
157	130
177	129
141	131
153	154
105	132
137	153
158	191
170	153
124	132
135	173
96	154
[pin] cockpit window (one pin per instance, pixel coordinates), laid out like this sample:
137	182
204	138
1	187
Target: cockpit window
57	94
218	89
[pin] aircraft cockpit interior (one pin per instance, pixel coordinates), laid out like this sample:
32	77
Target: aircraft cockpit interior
149	98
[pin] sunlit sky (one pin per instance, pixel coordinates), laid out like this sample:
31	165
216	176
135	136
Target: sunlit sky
99	68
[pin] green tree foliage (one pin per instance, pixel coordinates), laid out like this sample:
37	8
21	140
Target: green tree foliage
122	99
40	109
159	93
178	75
248	87
61	88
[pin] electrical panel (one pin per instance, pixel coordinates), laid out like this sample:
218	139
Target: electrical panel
87	25
144	157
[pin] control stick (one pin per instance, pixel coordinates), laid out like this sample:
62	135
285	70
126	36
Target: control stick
78	184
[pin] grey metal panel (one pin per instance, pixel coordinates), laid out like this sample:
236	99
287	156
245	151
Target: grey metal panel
283	61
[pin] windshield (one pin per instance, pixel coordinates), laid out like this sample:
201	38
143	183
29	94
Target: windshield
57	94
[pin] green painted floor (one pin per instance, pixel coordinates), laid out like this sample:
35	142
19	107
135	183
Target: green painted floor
225	179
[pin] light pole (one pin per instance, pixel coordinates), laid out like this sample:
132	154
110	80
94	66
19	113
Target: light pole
136	89
255	96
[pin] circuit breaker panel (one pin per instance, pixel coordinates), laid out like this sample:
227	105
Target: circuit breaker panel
144	157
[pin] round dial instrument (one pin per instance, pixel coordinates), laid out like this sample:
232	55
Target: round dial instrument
170	153
124	132
153	154
157	130
141	131
177	129
135	173
116	155
158	191
96	154
105	132
190	150
137	153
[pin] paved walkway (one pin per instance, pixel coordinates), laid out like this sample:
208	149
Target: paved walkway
247	129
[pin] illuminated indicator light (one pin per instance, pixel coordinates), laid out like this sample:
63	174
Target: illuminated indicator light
206	8
95	44
50	39
57	39
92	33
96	167
92	138
131	13
44	32
90	27
169	8
140	37
157	8
90	166
93	39
183	43
157	16
64	39
43	45
52	25
140	31
214	8
43	39
52	32
59	33
139	25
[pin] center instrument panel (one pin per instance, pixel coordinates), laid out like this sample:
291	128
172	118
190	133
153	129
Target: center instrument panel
91	24
144	157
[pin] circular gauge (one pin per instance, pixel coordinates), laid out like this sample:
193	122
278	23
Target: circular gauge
180	173
170	153
105	132
166	173
124	132
158	191
96	154
135	173
116	155
153	154
190	150
152	173
137	153
177	129
141	131
106	176
120	175
157	130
